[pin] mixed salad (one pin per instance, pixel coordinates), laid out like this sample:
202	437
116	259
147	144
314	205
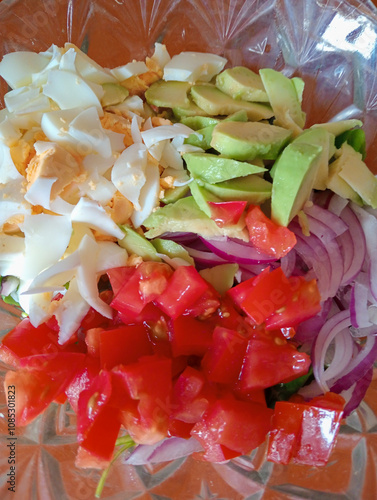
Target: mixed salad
196	270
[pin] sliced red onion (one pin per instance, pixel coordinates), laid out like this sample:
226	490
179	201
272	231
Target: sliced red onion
356	393
354	251
359	302
344	347
288	262
330	220
359	365
237	251
181	237
337	204
202	257
335	325
369	224
308	330
164	451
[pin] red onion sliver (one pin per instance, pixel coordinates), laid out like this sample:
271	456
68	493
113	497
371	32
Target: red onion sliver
355	394
369	224
330	329
334	223
308	330
164	451
237	251
337	204
358	367
359	302
202	257
288	262
352	264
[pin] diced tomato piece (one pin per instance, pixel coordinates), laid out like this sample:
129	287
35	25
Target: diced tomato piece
82	380
206	305
305	433
179	429
149	382
119	276
185	287
147	282
228	317
190	336
226	213
270	293
223	360
123	345
270	359
188	400
92	341
98	424
41	380
239	292
304	303
267	236
239	426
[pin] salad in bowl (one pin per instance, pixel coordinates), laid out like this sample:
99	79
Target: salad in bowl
192	259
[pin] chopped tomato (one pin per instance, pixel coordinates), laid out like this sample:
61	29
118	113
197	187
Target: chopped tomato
190	336
305	433
270	359
238	426
267	236
206	305
123	345
223	360
185	287
81	381
98	424
304	303
239	292
118	276
226	213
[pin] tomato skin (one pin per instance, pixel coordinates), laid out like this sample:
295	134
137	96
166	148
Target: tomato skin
118	276
239	426
190	336
226	213
185	287
223	360
123	345
266	235
98	424
305	433
270	359
239	292
82	380
304	303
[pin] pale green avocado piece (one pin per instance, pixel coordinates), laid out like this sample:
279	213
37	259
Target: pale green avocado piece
299	86
204	139
284	99
295	173
173	194
339	186
221	277
191	109
185	215
214	102
252	188
172	249
357	175
168	94
340	126
242	83
246	141
202	196
319	137
214	168
114	94
199	122
135	243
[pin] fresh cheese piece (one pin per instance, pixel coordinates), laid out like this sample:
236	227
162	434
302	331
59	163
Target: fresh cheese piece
130	69
26	100
88	68
17	67
193	66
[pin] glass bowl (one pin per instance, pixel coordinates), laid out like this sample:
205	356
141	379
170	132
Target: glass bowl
332	44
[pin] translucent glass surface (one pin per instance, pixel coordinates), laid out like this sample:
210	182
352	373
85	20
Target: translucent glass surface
332	44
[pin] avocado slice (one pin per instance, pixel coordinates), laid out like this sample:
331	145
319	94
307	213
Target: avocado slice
135	243
357	175
214	168
242	83
214	102
202	197
295	173
338	185
172	250
191	109
204	139
319	137
185	215
355	138
246	141
114	93
221	277
340	126
252	188
168	94
173	194
284	99
199	122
